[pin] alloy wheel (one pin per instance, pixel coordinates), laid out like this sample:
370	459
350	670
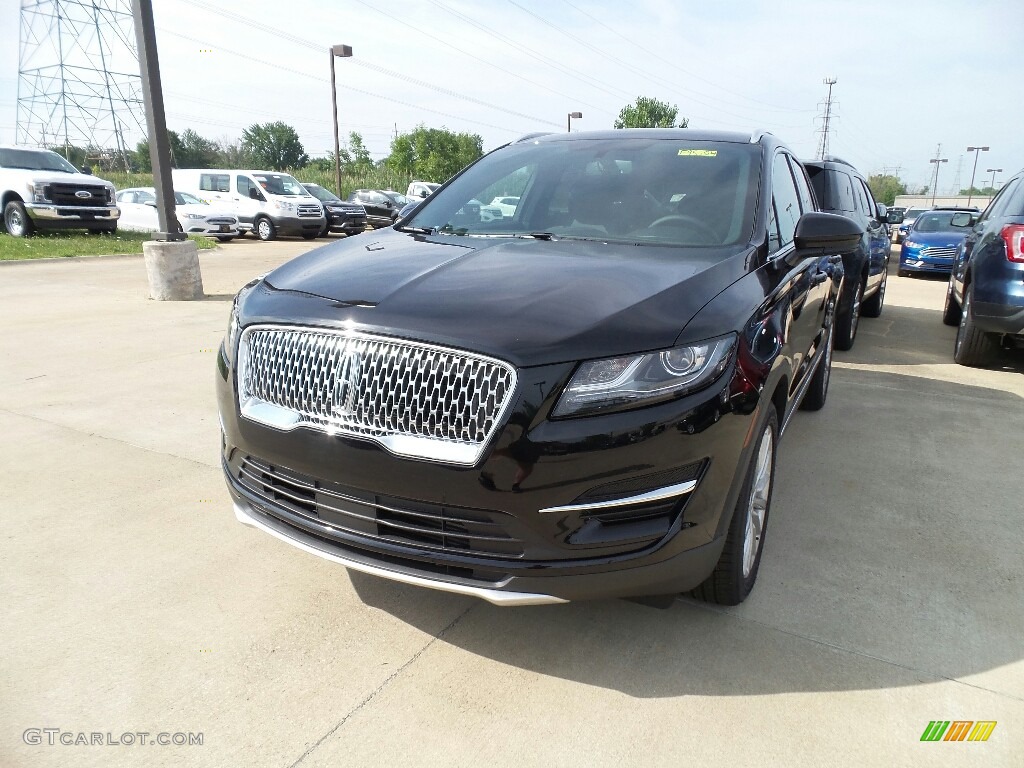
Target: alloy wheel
757	508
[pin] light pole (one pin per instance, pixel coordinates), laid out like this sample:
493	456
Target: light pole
976	151
935	178
568	121
343	52
993	171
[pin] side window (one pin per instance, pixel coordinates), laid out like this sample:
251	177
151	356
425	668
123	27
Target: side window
242	185
1000	202
862	199
843	190
787	202
215	182
126	197
803	188
144	197
871	198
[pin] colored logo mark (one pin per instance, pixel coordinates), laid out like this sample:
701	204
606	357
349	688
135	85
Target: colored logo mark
958	730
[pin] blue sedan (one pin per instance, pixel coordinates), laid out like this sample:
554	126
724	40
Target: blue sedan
931	244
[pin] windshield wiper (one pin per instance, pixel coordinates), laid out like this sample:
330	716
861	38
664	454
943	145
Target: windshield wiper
417	230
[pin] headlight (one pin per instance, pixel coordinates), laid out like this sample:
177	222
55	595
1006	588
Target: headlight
38	193
911	244
234	326
194	216
620	383
283	206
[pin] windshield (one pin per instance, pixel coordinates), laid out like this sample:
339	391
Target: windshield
184	198
324	195
280	184
936	222
912	214
640	191
35	160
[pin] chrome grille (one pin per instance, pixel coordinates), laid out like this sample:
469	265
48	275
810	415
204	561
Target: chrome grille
66	195
414	399
307	209
932	252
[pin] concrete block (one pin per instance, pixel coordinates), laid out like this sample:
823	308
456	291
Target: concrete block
173	270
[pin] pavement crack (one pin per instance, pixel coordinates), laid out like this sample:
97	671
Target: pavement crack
851	651
387	681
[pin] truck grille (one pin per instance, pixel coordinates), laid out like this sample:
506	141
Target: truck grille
938	253
306	210
414	399
377	518
66	195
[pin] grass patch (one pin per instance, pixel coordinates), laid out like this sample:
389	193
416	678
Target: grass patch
51	245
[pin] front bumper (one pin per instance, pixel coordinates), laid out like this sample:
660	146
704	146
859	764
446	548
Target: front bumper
352	502
349	225
293	226
914	262
47	216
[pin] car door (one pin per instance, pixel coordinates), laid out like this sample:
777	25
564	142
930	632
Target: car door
248	200
804	288
138	212
878	236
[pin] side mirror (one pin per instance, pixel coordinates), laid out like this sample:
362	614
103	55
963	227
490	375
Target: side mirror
962	219
894	217
818	234
87	170
881	212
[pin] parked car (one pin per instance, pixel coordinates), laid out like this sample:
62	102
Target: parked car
507	205
985	296
908	218
138	213
267	203
397	198
381	209
842	189
584	401
41	190
931	243
420	189
342	216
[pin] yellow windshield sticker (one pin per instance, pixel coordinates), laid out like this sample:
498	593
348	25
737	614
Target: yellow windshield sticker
698	153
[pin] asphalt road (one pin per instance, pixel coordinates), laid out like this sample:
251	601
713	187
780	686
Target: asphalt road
891	591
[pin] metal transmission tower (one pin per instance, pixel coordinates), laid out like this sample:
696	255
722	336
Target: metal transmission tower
78	78
827	119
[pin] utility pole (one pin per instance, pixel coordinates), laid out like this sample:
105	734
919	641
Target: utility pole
823	145
935	178
956	180
993	171
977	151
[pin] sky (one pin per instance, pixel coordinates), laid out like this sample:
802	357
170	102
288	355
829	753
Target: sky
910	75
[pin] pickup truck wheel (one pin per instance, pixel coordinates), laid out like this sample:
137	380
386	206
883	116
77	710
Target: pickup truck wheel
951	312
736	571
846	324
264	229
973	346
814	398
873	306
17	220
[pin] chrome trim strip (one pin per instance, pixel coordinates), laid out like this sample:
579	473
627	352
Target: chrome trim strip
643	498
496	596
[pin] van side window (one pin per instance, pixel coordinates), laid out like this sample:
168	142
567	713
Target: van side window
215	182
242	185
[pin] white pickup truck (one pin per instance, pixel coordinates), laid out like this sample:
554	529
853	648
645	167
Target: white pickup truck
41	190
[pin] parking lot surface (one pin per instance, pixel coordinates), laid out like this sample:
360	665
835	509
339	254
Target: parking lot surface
891	590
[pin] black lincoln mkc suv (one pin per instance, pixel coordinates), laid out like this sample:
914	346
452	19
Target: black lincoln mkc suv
581	399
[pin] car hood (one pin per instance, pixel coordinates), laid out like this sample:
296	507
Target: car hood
527	301
937	239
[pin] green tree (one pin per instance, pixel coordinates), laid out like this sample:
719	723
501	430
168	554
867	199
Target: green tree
885	187
142	159
274	145
983	192
433	154
650	113
196	152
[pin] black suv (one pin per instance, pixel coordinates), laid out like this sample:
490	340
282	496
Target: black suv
842	189
581	400
347	218
985	297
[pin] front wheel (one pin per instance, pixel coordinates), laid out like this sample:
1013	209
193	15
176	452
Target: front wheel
264	229
17	220
873	306
951	312
814	398
736	571
846	324
973	346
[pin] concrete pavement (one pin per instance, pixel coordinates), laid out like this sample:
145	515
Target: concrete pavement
891	590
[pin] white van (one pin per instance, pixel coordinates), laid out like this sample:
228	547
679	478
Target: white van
269	203
420	189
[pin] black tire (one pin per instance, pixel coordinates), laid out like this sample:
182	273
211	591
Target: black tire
225	238
310	235
17	220
102	230
902	273
736	570
846	324
951	312
264	229
973	347
817	391
873	307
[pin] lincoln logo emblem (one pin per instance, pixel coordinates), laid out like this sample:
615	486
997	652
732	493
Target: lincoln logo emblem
346	382
83	193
